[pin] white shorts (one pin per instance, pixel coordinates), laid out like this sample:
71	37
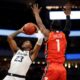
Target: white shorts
13	78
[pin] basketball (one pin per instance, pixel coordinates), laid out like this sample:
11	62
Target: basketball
29	28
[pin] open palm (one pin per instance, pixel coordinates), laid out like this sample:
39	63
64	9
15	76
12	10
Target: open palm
36	9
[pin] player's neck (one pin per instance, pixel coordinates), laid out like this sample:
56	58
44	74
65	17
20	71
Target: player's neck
26	49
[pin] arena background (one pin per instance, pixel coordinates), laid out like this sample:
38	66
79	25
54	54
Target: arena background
15	13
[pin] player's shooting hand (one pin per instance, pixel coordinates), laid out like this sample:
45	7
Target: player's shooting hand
67	9
21	30
36	9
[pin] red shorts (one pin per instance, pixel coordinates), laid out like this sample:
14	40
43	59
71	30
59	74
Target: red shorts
54	71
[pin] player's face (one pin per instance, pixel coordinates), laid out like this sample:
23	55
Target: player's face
27	45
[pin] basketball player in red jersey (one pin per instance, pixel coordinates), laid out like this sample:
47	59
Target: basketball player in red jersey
56	44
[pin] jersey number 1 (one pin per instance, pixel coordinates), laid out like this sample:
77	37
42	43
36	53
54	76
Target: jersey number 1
58	44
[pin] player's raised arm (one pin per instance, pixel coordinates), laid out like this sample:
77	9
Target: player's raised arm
67	11
12	42
36	10
37	46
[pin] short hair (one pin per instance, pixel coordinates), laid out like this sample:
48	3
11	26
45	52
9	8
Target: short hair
28	41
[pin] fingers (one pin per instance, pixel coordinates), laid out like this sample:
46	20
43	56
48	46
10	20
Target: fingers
36	6
68	6
21	29
40	8
31	7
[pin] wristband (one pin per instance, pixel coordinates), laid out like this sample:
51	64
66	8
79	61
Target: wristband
40	41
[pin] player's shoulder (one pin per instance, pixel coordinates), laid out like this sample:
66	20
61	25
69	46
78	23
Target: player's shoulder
19	50
63	33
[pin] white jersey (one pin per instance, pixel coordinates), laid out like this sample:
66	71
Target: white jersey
20	63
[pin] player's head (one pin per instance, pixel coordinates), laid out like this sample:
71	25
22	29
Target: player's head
55	25
27	45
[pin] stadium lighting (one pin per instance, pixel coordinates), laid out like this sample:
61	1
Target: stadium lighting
4	32
59	15
73	56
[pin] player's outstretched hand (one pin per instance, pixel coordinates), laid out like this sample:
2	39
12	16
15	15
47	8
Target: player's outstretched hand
67	9
36	9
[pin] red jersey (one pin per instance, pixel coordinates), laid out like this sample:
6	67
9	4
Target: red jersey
56	46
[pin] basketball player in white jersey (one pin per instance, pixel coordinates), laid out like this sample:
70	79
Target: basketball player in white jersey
22	59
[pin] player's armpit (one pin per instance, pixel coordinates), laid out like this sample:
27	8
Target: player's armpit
12	44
